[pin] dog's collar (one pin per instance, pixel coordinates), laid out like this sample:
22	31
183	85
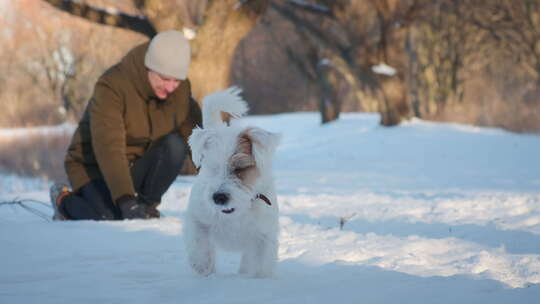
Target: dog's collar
264	198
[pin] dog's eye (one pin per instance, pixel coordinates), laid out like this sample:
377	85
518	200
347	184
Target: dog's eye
240	170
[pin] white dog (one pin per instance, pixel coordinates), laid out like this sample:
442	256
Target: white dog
233	201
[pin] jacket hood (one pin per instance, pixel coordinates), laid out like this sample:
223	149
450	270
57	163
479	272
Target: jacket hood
137	73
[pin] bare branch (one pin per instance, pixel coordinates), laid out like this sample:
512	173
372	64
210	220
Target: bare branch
137	24
313	8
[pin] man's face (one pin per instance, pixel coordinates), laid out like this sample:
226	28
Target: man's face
162	85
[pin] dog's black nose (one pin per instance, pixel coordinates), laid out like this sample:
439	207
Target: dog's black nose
220	198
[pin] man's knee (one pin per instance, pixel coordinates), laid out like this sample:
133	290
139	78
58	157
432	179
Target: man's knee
175	146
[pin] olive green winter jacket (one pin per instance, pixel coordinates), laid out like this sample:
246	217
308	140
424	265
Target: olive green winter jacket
122	120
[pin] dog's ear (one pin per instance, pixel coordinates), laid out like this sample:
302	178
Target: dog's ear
199	141
263	143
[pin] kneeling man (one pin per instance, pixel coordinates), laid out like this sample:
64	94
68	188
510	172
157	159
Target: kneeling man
131	141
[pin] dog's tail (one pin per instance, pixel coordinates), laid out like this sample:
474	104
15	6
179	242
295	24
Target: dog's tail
228	101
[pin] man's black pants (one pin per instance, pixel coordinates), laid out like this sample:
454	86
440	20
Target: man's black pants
152	175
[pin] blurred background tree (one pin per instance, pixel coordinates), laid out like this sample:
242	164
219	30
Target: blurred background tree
215	27
468	61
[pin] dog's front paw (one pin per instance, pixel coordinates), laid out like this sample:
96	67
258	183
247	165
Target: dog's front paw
203	270
203	267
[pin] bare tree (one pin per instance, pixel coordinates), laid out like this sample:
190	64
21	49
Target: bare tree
515	26
309	60
444	45
362	36
326	50
220	25
63	67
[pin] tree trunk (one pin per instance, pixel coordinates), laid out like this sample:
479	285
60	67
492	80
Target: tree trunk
393	102
214	47
329	105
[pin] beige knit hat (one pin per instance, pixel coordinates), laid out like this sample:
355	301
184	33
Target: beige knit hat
169	54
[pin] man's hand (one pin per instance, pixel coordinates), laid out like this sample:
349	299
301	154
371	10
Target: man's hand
132	208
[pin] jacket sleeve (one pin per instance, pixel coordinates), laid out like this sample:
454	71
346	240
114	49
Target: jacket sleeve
193	118
108	131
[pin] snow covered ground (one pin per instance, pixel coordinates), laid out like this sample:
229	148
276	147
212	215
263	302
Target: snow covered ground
419	213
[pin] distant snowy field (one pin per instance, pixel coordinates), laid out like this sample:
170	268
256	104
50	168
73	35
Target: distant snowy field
430	213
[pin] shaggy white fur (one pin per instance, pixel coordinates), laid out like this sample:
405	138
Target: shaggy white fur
233	202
